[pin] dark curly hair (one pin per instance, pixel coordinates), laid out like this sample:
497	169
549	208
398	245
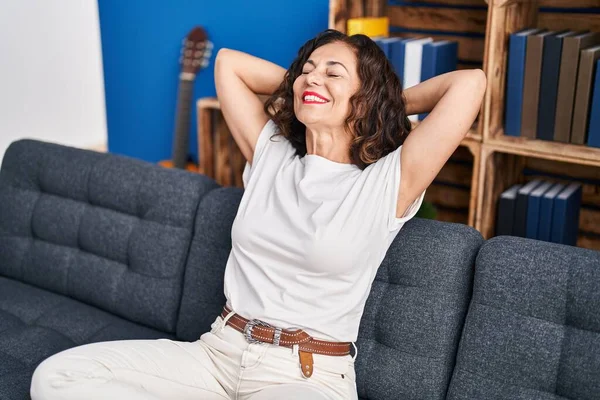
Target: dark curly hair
377	118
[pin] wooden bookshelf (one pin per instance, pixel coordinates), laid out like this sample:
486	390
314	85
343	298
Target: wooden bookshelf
506	160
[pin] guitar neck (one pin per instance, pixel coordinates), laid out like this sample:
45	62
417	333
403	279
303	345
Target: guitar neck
182	121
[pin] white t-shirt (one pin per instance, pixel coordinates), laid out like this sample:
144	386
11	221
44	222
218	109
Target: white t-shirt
309	236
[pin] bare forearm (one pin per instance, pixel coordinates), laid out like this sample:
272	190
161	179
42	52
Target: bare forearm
262	77
422	98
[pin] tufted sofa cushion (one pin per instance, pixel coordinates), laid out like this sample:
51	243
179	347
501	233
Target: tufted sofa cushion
109	231
533	328
413	317
203	296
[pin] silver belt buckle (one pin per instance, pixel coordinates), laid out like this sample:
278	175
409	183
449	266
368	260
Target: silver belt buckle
248	329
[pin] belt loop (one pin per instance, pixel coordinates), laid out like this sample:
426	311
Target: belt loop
355	351
276	336
227	317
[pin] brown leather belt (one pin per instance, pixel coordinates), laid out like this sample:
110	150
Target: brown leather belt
259	331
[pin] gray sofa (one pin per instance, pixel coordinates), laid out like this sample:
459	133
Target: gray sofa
97	247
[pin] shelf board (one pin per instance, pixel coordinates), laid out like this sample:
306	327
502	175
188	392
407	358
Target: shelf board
557	151
473	135
208	102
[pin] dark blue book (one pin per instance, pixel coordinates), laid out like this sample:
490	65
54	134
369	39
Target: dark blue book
438	58
383	45
565	215
533	209
551	59
506	210
546	209
517	49
520	224
391	47
593	135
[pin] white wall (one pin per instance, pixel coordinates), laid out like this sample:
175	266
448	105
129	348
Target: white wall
51	80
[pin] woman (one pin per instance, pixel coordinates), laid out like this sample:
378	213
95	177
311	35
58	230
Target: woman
332	176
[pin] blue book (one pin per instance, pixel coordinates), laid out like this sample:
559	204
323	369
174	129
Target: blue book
396	49
551	60
517	49
546	209
533	209
384	46
506	210
594	127
438	58
390	46
520	224
565	215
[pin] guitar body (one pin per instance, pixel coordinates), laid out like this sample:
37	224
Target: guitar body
195	53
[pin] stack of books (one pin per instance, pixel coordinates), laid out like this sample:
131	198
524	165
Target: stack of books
541	210
553	86
416	60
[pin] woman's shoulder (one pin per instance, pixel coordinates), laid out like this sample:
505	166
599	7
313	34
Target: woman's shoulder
270	139
388	161
271	149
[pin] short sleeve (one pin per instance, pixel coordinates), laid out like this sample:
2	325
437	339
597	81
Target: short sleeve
390	171
264	145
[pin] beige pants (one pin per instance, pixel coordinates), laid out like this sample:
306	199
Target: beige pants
220	365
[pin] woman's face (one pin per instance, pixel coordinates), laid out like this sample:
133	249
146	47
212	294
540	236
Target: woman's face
322	92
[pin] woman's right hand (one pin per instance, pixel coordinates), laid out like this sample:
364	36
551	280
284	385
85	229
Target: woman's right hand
239	79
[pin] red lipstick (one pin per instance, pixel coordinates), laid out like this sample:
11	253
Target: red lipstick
313	98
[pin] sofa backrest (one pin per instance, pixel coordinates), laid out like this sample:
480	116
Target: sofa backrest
533	326
203	296
107	230
413	317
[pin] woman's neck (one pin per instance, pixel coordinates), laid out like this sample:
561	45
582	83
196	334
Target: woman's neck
330	144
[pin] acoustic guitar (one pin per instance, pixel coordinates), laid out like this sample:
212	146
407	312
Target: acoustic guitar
195	54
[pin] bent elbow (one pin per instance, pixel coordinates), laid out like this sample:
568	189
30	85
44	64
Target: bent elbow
480	81
221	56
474	85
223	65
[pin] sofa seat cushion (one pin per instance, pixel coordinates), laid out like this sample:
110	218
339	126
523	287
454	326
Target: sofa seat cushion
35	323
533	327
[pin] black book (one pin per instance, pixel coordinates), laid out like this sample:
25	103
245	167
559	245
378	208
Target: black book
549	84
565	215
506	211
520	222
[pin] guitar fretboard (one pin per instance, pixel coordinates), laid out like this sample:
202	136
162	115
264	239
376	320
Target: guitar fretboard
182	121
